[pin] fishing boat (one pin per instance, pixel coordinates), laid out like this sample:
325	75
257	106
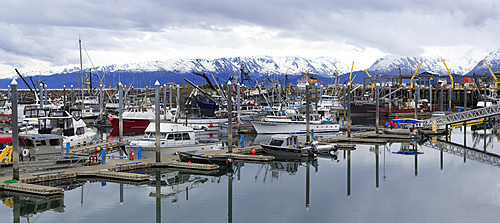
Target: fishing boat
288	145
194	158
409	107
173	138
41	146
293	124
363	105
72	128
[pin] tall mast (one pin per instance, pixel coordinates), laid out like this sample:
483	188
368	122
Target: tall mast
81	66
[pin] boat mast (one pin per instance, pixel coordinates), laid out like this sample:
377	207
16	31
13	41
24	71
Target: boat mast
81	67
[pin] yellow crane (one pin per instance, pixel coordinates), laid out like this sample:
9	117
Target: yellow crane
451	77
6	152
492	74
350	76
412	77
371	79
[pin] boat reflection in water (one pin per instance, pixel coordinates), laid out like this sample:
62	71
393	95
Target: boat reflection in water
174	182
29	206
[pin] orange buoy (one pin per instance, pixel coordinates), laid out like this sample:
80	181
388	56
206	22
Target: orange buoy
110	118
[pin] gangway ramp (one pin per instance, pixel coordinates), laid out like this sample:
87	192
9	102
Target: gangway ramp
467	152
463	116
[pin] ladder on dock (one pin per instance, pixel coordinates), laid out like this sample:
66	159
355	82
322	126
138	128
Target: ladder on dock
463	116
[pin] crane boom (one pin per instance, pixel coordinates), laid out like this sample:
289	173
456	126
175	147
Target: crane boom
451	77
412	77
492	74
371	79
350	76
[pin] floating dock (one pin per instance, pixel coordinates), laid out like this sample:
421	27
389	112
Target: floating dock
31	189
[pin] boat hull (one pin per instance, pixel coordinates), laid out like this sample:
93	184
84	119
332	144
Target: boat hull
292	128
363	108
187	157
286	152
385	111
131	123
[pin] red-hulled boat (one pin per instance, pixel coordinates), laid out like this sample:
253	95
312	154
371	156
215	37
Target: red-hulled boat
137	118
385	111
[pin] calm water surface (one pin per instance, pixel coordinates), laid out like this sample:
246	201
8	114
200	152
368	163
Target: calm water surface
446	183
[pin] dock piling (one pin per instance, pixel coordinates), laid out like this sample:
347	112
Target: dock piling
15	136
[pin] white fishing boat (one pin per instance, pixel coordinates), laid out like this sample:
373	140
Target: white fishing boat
173	138
293	123
72	128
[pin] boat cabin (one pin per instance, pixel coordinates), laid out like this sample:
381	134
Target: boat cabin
171	134
289	141
59	120
41	146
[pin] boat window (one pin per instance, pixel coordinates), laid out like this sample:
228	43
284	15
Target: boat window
275	142
54	142
294	118
185	136
144	110
80	130
25	142
300	118
163	135
40	143
170	136
146	135
178	136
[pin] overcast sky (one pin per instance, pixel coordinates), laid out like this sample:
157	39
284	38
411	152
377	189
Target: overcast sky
43	35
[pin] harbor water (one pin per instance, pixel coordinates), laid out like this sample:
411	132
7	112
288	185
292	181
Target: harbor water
423	181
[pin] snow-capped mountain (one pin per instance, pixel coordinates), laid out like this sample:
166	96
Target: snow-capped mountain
257	66
392	65
492	59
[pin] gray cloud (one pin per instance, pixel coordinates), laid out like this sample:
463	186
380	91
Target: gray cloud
48	30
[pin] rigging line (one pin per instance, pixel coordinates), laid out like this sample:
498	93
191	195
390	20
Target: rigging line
100	78
67	61
88	192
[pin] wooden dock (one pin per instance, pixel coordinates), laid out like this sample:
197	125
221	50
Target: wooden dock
115	175
31	189
387	136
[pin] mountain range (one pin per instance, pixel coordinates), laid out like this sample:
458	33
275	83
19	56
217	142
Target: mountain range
260	68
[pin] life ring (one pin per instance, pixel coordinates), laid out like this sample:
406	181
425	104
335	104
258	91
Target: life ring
26	152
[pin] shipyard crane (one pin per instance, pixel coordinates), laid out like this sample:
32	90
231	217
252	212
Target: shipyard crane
350	76
415	74
494	78
451	77
372	79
